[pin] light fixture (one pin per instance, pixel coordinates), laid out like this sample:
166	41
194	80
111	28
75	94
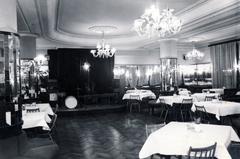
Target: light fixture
86	66
40	59
152	21
194	54
103	50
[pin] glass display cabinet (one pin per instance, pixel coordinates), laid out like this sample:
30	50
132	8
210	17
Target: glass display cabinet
168	74
10	86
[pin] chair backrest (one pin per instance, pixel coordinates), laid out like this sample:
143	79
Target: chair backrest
202	153
201	112
163	103
186	104
56	108
153	127
209	98
35	110
53	122
234	149
30	100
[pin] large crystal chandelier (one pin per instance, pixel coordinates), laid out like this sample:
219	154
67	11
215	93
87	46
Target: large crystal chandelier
194	54
152	21
103	50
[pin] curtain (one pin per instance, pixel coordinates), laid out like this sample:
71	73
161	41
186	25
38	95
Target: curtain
138	75
224	61
66	65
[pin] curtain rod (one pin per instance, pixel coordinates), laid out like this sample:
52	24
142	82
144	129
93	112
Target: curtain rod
224	42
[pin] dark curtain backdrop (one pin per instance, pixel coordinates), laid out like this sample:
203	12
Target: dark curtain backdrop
66	65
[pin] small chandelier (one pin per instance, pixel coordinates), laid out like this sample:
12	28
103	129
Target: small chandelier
194	54
103	50
152	21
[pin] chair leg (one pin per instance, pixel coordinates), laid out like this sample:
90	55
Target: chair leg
131	108
161	113
139	107
182	116
191	118
166	116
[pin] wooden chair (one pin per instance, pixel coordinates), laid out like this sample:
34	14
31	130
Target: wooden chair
41	132
164	108
234	149
30	100
185	109
236	125
209	98
134	101
55	109
152	128
202	153
201	112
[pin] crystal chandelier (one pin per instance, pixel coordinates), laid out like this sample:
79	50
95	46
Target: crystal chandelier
194	54
152	21
103	50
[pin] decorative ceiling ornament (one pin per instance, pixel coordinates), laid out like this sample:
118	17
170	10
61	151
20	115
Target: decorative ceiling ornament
103	50
194	54
152	21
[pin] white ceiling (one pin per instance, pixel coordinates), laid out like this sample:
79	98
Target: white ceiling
66	23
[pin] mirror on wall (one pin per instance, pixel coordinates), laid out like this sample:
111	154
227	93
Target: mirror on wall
196	75
34	77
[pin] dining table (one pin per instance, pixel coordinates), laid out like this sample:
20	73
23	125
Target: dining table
37	119
214	90
142	94
219	108
202	96
175	138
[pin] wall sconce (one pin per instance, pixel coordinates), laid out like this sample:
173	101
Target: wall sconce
118	71
40	59
127	77
138	73
149	72
86	66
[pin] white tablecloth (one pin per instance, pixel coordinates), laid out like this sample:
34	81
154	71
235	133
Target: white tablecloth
201	96
216	90
184	93
39	119
221	108
175	99
141	93
175	139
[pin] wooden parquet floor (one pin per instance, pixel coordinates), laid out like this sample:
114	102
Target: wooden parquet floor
103	136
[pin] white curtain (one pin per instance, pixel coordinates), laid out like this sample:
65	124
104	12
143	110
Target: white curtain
143	77
224	61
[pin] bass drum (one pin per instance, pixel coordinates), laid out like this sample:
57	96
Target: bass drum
71	102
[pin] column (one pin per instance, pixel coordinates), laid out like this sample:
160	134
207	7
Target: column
10	114
168	64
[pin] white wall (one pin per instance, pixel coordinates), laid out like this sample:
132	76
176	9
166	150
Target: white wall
135	57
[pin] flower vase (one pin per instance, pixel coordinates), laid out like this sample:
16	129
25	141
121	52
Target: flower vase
197	127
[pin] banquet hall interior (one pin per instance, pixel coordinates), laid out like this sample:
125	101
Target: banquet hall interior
84	79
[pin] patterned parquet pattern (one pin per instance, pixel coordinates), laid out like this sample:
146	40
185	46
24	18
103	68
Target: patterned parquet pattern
104	136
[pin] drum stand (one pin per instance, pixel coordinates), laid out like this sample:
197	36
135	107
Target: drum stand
78	95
